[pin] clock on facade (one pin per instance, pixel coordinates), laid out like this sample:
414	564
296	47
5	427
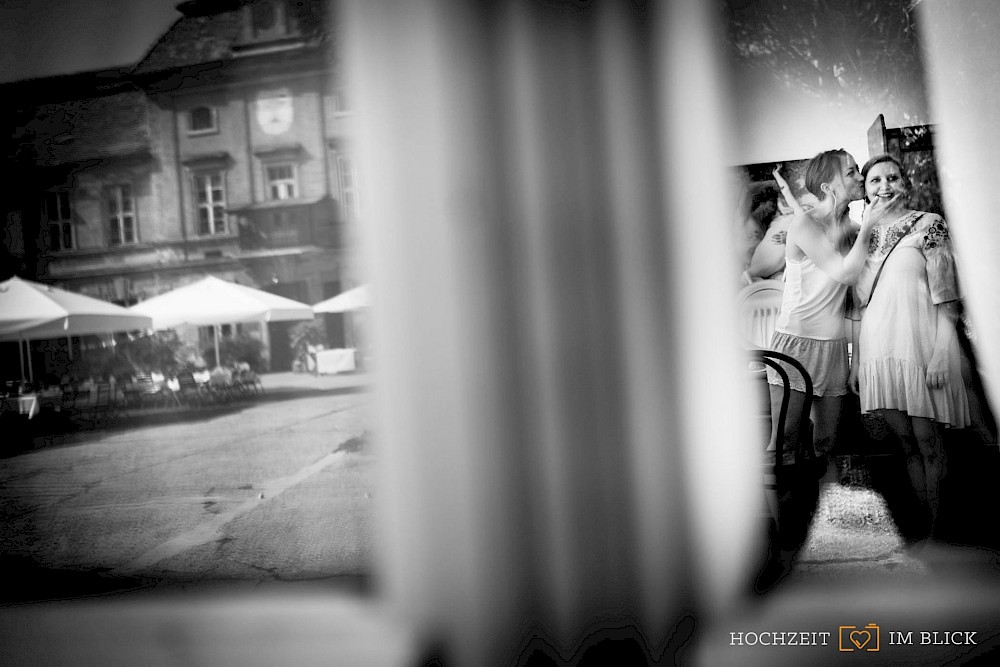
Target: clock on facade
274	111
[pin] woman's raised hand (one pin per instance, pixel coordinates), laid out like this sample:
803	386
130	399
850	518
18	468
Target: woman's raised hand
786	191
878	210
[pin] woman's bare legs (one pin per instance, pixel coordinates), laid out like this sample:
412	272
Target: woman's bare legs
925	457
825	415
792	424
931	445
826	422
799	496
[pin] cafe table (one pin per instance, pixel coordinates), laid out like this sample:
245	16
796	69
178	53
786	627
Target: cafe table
337	360
23	405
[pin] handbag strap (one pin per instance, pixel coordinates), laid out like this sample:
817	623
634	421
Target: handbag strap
906	230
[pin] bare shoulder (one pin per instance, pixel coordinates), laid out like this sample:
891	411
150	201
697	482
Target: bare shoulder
801	229
802	224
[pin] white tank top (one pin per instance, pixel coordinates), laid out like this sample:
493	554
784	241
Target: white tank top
813	303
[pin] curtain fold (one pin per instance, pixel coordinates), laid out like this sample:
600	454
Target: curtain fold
559	399
964	85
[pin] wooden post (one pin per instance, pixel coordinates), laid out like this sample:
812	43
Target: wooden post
216	329
877	143
31	371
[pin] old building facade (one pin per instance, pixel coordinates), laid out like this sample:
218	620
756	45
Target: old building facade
225	151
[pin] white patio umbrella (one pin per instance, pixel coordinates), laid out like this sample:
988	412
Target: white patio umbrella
213	301
35	311
353	299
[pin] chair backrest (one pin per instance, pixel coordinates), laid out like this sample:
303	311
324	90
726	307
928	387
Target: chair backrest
186	380
783	364
759	306
220	379
103	395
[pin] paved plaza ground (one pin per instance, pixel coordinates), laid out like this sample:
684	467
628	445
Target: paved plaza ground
277	488
280	489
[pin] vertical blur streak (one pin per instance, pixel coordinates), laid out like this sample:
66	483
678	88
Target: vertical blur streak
653	397
559	425
694	111
965	98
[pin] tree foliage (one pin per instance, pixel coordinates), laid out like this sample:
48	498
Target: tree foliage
236	349
841	50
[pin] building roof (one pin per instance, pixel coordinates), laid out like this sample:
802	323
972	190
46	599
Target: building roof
98	128
211	31
193	40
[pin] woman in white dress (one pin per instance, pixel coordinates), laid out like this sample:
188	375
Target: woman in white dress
907	363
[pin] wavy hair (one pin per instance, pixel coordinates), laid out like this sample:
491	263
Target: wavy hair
824	168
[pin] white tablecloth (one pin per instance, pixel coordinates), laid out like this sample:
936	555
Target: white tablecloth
337	360
23	405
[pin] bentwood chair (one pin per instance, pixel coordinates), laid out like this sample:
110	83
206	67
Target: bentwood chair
780	468
791	482
791	479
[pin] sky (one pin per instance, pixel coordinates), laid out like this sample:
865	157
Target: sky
47	37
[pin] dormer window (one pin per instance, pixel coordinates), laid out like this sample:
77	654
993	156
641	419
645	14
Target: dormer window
202	120
270	25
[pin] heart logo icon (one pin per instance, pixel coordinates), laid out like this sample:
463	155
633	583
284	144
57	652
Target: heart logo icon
860	638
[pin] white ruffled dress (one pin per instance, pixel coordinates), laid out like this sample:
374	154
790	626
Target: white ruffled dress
899	326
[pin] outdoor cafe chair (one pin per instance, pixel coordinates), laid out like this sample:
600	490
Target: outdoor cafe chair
160	393
190	392
69	398
101	406
247	382
78	398
220	385
142	393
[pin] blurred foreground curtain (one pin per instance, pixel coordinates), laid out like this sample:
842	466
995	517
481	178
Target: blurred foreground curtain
563	444
963	72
